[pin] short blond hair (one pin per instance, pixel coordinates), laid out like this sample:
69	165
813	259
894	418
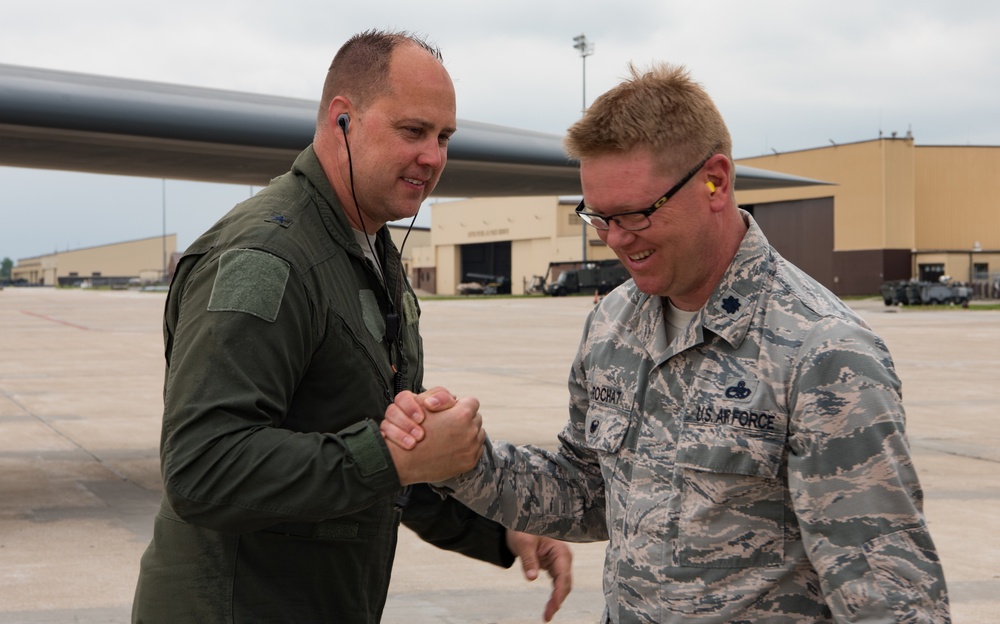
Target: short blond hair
661	109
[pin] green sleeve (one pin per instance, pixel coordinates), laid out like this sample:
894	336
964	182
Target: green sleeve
450	525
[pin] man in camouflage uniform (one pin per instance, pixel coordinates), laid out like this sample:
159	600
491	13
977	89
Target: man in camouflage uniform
735	430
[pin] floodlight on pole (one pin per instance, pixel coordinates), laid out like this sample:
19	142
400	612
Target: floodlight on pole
586	49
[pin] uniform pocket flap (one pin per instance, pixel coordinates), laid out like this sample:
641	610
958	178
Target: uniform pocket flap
605	428
729	451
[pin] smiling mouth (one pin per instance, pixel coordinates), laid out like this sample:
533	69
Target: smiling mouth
642	255
415	182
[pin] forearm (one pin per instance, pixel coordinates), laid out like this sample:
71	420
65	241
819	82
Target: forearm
450	525
533	490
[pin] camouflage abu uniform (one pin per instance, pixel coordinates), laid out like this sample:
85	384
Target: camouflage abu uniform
755	470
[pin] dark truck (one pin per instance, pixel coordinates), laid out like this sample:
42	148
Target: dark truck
908	292
601	276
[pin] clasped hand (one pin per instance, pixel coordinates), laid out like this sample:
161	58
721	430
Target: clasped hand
450	443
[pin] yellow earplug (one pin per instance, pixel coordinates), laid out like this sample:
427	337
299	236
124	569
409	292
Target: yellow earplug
711	187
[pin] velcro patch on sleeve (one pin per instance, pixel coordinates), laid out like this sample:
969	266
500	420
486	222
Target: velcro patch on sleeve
250	281
362	440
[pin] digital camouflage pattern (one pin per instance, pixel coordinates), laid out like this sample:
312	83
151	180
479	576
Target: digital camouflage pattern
755	470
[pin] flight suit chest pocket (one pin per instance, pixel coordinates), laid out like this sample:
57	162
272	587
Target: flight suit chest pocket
731	486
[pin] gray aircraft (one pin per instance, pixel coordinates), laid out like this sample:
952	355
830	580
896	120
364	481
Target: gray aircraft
81	122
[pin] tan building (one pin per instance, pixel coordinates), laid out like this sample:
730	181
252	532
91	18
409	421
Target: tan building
114	264
142	260
893	210
897	211
415	238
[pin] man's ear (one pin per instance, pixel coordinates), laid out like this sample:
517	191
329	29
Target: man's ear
719	176
339	113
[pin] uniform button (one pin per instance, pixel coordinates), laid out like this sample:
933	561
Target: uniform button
593	426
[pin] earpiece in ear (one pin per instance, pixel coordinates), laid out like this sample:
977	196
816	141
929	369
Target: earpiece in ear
343	120
711	186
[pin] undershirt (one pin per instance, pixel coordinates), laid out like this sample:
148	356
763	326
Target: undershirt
676	320
367	243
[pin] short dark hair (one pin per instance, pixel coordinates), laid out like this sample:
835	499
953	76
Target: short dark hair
360	70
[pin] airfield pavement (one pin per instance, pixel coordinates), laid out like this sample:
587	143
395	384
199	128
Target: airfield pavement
80	405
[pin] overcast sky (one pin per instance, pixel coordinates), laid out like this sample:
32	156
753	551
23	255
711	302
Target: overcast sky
786	75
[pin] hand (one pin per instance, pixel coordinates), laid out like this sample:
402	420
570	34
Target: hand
549	554
402	421
451	444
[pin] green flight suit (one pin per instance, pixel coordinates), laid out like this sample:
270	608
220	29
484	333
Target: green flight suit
281	502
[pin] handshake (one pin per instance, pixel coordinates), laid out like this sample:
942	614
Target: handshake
433	436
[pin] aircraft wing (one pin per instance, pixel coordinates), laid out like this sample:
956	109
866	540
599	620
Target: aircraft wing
81	122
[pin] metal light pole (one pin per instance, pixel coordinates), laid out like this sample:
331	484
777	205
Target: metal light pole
586	49
163	273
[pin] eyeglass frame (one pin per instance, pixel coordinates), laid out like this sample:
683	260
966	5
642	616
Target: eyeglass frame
646	212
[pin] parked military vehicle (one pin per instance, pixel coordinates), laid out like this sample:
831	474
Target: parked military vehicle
483	284
601	276
911	292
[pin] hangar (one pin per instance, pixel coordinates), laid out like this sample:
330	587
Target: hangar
115	264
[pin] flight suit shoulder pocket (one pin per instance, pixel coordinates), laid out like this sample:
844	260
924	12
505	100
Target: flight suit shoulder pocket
250	281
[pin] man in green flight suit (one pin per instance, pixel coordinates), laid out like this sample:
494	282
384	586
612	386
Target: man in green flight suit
289	330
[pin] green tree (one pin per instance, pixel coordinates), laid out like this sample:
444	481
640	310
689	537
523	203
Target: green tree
5	266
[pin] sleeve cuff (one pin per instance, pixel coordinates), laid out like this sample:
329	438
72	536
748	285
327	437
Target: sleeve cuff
369	452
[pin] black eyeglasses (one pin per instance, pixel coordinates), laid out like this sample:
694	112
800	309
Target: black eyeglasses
636	220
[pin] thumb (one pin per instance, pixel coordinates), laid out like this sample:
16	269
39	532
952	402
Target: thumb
529	563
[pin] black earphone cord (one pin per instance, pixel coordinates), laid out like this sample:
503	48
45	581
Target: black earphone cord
391	317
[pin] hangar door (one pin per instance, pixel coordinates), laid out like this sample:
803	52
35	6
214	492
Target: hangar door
486	262
802	232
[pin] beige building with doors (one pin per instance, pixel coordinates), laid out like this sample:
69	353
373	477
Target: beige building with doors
516	237
896	211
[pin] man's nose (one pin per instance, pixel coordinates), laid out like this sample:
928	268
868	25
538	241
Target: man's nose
616	235
433	154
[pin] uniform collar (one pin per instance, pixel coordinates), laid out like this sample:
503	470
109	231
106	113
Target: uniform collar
308	166
729	310
731	307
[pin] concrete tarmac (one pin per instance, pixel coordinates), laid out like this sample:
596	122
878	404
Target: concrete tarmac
80	407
